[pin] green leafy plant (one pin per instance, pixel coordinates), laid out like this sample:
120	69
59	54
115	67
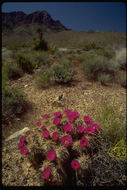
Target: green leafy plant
43	77
104	78
93	65
13	103
62	72
24	63
13	70
113	122
41	45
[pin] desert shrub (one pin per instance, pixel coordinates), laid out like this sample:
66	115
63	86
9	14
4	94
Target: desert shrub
109	53
41	45
58	54
104	78
4	77
43	76
13	70
119	150
121	58
62	72
93	65
80	58
121	78
6	55
52	49
13	103
90	45
113	122
24	63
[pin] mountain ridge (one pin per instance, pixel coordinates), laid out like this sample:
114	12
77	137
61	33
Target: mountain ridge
14	19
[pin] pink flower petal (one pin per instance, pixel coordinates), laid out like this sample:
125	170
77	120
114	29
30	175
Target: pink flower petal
56	121
46	173
46	134
75	164
24	150
83	142
55	136
51	155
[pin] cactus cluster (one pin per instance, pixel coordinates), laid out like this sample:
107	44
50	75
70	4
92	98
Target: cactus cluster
59	146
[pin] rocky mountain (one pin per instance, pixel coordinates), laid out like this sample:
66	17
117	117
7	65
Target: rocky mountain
20	22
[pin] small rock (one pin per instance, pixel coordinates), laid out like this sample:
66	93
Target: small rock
18	133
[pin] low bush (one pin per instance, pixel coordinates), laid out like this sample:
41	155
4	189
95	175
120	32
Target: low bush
104	78
90	45
109	53
122	79
43	77
13	70
41	45
13	103
62	72
113	123
4	77
93	65
24	63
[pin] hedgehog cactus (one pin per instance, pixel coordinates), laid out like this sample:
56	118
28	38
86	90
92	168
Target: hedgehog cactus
60	144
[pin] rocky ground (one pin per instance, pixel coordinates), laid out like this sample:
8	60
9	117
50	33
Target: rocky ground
81	95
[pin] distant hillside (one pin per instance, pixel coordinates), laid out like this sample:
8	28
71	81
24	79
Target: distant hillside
19	28
19	22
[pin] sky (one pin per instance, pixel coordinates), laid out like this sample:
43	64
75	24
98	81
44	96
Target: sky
78	16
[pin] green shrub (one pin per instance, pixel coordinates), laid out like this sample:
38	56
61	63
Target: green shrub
13	70
121	58
41	45
4	77
90	45
62	72
93	65
6	55
43	77
103	78
13	103
113	122
119	150
109	53
122	79
58	54
24	63
80	58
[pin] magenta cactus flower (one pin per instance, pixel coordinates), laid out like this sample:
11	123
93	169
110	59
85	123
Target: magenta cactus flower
66	140
87	119
43	127
27	133
51	155
75	164
90	130
81	129
38	123
45	116
55	136
24	150
96	127
22	139
57	114
83	142
46	134
68	128
46	173
20	145
56	121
